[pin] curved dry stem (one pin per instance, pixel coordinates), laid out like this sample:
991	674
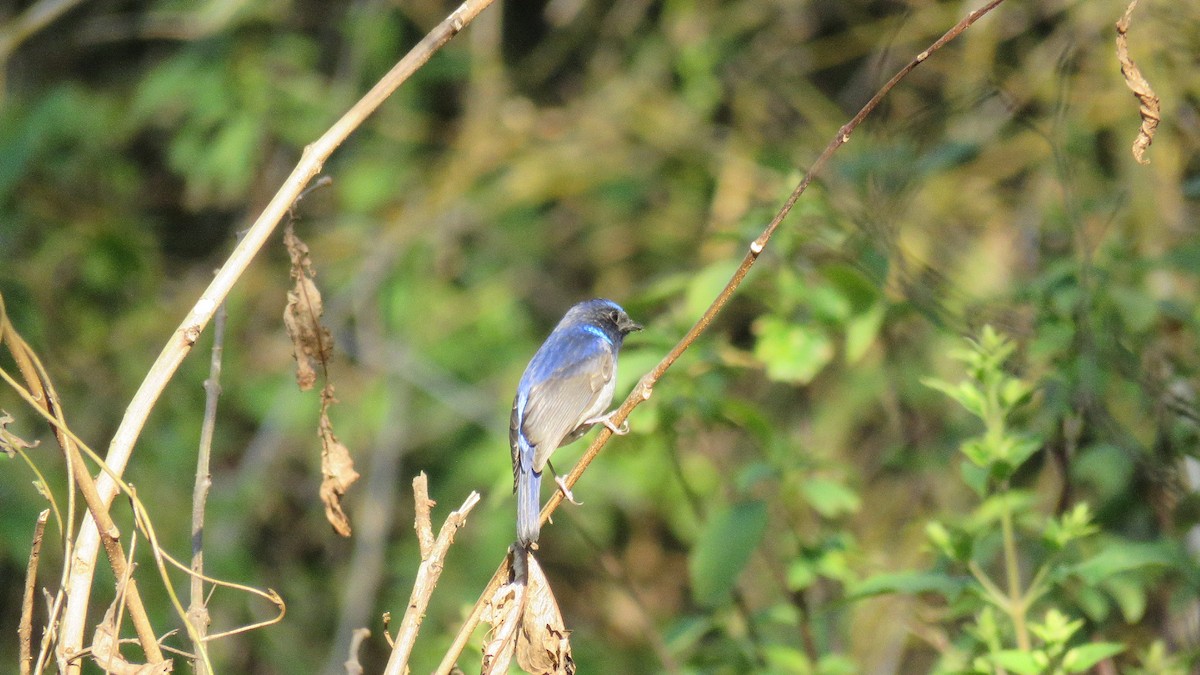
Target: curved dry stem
42	397
162	558
144	524
185	336
42	391
38	381
645	387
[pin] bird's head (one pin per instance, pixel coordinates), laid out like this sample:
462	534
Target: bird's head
604	314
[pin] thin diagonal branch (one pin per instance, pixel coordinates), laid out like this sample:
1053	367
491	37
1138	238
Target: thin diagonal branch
25	627
36	17
645	387
185	336
197	610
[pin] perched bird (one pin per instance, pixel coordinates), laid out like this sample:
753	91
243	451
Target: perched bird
565	390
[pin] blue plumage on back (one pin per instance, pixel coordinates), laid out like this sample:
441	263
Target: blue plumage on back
565	389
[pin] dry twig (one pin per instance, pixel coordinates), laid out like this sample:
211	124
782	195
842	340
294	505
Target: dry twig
33	19
25	627
427	574
41	395
143	523
197	609
353	667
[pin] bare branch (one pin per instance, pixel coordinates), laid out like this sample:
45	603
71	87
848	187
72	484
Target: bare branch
25	628
197	610
423	522
35	17
427	575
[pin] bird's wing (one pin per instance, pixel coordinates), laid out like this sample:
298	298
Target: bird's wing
565	395
518	446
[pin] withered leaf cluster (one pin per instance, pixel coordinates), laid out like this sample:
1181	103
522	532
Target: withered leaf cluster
526	623
312	343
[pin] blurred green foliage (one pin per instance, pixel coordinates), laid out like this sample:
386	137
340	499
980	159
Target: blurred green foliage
790	468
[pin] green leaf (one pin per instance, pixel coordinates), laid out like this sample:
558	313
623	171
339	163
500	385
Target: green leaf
1014	392
1120	557
830	498
1080	659
801	574
861	330
1056	628
1130	595
966	393
1025	663
976	477
706	285
834	563
909	583
792	352
979	451
857	289
990	511
1075	524
686	632
954	544
1104	468
836	664
1186	256
752	474
939	536
723	549
828	304
1017	449
786	659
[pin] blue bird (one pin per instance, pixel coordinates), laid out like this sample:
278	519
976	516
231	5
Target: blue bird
566	387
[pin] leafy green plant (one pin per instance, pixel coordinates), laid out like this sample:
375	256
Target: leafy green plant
1000	630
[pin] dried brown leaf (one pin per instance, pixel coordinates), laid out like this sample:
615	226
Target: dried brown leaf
337	467
503	613
10	443
312	343
543	643
1148	103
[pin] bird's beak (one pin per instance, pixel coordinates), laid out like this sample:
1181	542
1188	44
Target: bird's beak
631	327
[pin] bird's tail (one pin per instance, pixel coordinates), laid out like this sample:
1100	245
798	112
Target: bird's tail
529	505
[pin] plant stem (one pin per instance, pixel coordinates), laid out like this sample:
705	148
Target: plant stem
1016	605
197	609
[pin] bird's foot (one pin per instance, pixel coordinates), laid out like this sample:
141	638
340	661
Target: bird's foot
606	420
562	485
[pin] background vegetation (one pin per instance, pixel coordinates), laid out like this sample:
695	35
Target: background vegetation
772	509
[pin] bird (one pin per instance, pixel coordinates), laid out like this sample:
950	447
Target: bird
564	391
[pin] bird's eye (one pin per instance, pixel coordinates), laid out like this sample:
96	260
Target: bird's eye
614	316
